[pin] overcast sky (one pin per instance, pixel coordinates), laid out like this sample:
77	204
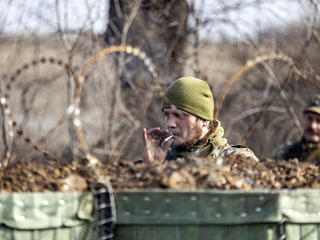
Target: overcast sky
23	16
247	16
40	16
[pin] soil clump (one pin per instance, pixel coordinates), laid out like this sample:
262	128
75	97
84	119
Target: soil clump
186	173
216	173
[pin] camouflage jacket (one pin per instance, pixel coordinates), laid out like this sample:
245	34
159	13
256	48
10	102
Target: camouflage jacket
304	152
214	146
224	151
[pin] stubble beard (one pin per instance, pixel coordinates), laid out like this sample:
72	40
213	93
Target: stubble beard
195	136
313	133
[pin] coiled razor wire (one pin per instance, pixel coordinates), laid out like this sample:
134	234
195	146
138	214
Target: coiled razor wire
272	56
104	209
12	123
129	50
73	108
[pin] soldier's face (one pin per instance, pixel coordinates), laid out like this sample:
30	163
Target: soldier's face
311	127
186	128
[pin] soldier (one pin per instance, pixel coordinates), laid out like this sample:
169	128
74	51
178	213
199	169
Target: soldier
191	129
308	148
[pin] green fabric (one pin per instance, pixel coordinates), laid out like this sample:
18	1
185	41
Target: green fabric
191	95
313	104
301	231
45	210
212	147
86	231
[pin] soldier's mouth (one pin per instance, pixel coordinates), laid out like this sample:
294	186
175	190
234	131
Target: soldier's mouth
312	132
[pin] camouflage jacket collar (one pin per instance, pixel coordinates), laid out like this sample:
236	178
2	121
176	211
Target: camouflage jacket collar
309	147
213	146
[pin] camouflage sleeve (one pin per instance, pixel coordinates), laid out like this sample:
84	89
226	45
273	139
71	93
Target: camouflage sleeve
241	150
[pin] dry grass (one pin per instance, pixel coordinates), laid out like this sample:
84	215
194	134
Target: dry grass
39	95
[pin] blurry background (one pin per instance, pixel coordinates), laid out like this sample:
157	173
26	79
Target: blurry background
211	40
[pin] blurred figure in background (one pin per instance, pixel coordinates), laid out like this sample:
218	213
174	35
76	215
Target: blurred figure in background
308	148
189	121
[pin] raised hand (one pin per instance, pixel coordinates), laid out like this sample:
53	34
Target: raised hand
155	148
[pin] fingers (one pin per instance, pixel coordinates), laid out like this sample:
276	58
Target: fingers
156	137
153	149
145	137
153	131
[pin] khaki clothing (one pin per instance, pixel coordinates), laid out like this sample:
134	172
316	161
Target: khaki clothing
215	146
304	152
228	150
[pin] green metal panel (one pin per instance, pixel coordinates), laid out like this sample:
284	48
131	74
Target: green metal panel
123	232
240	232
197	207
213	232
196	232
216	214
165	232
143	232
188	232
262	231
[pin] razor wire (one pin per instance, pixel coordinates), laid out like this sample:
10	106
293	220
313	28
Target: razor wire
73	108
271	56
12	123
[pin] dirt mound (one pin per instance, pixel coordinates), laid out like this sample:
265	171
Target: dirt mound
190	173
216	173
39	176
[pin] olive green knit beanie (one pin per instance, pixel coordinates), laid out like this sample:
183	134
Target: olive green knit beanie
191	95
313	104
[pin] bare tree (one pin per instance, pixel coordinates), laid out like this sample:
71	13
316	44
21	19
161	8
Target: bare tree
159	28
259	106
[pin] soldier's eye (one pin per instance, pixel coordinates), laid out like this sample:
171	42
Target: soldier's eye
181	115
